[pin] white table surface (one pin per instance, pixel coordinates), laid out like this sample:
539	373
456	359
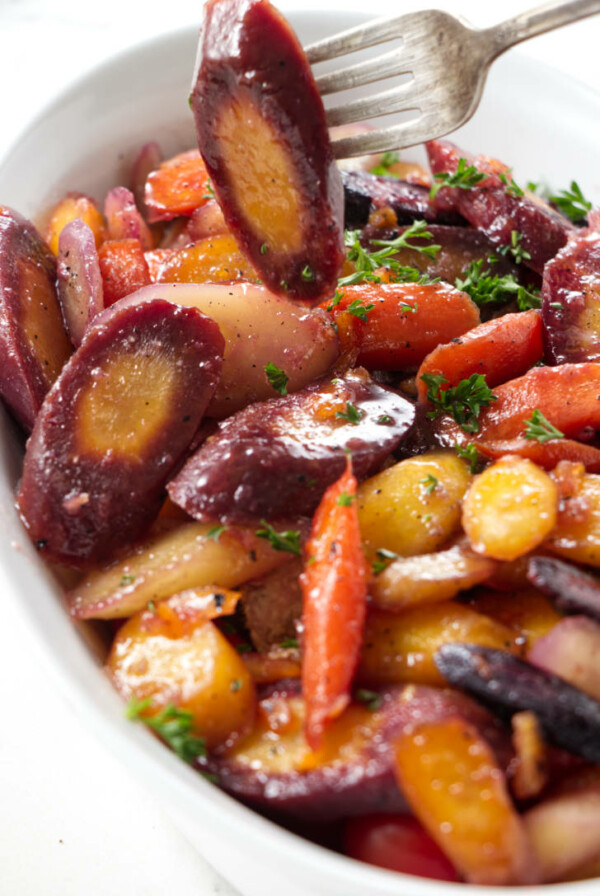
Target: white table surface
72	820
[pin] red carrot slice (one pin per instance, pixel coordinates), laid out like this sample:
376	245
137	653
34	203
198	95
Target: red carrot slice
334	597
123	267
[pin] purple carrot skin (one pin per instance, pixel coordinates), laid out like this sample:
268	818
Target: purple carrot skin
297	443
114	427
148	159
123	218
571	300
571	589
571	650
263	137
490	207
328	785
33	342
365	192
78	278
506	684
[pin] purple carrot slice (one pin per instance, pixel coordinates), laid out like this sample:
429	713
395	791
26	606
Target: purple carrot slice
365	192
505	684
494	207
78	278
264	140
33	342
148	159
114	427
571	300
572	590
282	454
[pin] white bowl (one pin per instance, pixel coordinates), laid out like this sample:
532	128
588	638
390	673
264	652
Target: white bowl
531	117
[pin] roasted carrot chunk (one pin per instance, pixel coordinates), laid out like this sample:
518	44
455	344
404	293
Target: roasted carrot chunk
451	779
334	597
123	268
177	187
72	206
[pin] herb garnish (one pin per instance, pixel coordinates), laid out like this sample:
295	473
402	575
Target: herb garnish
367	262
281	541
126	579
277	378
351	414
216	532
384	558
345	500
486	288
572	203
173	725
289	643
512	188
515	248
470	454
358	309
538	427
430	482
307	273
210	193
371	699
387	160
335	300
463	401
465	177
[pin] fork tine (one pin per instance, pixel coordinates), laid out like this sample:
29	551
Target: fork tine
386	66
395	100
410	133
357	38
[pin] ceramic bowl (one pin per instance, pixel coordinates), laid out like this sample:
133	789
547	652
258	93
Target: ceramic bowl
532	117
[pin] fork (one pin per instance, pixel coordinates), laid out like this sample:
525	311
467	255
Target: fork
447	59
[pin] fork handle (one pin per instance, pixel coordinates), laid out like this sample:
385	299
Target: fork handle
537	21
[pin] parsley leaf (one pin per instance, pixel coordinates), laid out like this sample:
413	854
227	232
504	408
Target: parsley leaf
572	203
463	401
465	177
486	288
371	699
277	378
210	193
538	427
512	188
351	414
387	160
335	300
216	532
358	309
384	558
345	500
289	643
367	262
307	273
430	482
281	541
126	579
173	725
515	248
470	454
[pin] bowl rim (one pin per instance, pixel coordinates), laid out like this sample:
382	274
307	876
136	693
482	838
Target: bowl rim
104	716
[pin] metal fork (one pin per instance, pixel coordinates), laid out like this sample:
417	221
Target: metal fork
448	61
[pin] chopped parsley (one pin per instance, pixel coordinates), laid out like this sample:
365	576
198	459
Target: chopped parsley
358	309
538	427
470	454
307	273
367	262
512	188
235	685
289	643
210	193
465	178
264	249
173	725
244	647
216	532
463	401
486	288
351	414
371	699
277	378
515	248
281	541
126	579
387	160
430	482
406	306
384	558
384	419
572	203
345	500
